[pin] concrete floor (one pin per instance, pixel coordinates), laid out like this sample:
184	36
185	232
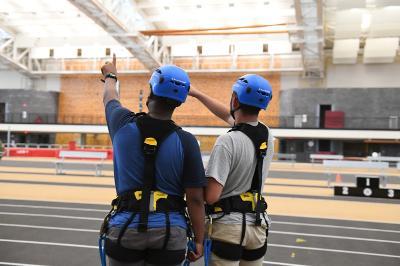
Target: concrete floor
39	227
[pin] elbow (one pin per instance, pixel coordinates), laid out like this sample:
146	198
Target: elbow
211	198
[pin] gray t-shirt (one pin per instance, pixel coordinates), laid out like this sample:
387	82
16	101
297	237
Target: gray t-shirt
232	164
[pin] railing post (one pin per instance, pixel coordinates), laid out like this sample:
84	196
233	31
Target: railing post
8	141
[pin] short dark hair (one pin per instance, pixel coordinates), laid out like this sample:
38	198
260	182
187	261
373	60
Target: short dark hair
164	103
249	110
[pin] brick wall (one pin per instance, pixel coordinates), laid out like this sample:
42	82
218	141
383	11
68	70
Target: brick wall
80	100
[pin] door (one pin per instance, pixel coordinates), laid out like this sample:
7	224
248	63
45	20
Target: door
322	109
2	112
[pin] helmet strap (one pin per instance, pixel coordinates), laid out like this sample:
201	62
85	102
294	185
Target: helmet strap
232	111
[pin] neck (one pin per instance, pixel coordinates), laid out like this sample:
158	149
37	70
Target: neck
160	115
244	118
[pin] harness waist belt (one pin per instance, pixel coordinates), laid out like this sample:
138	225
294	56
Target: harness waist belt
159	202
247	202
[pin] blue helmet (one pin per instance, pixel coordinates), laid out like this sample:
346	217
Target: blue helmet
253	90
171	82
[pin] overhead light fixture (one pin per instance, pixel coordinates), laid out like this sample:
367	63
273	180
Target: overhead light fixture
198	6
266	3
231	4
166	7
365	21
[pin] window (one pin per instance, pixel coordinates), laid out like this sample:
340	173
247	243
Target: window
265	48
51	53
200	50
108	51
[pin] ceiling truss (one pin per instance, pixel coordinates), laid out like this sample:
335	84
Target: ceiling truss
118	22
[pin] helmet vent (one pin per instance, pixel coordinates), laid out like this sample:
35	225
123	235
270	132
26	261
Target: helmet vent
158	71
248	90
244	80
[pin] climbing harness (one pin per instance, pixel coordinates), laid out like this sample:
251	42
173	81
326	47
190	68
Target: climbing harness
144	200
251	201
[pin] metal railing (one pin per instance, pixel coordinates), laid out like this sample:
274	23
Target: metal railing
297	121
55	146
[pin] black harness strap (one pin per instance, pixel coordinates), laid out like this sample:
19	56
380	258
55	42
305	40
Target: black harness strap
234	252
259	136
153	133
124	227
167	230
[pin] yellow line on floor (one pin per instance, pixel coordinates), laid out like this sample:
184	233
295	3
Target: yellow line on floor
304	191
318	168
335	209
304	182
51	171
58	178
315	183
57	193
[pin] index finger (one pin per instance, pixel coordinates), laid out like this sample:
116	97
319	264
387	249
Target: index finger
114	61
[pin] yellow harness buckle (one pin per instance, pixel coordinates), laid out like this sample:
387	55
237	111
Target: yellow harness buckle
150	141
263	146
248	196
217	209
138	195
157	196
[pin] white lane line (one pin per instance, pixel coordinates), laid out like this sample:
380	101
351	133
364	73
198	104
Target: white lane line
281	263
273	232
338	226
51	216
50	227
19	264
52	207
272	245
275	221
336	251
337	237
47	243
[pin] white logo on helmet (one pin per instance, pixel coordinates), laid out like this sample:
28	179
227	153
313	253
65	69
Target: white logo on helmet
179	81
263	92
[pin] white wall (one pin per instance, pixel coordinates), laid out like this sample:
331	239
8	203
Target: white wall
50	83
14	80
348	76
10	79
364	76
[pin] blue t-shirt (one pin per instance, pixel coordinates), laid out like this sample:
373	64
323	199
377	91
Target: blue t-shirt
178	164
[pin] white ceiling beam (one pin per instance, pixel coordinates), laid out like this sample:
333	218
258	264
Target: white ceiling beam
10	30
146	20
21	41
120	31
11	60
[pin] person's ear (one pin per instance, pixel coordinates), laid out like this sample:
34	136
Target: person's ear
235	101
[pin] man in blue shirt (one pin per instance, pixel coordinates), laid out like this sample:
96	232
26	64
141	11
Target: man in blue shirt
137	236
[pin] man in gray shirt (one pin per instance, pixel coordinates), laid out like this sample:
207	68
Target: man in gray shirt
239	235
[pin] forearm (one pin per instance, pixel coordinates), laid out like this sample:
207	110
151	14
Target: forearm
110	91
216	107
196	213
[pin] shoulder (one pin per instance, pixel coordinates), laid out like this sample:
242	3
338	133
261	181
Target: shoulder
188	141
227	140
186	136
270	135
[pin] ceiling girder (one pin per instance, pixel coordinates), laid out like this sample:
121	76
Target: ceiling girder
114	20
